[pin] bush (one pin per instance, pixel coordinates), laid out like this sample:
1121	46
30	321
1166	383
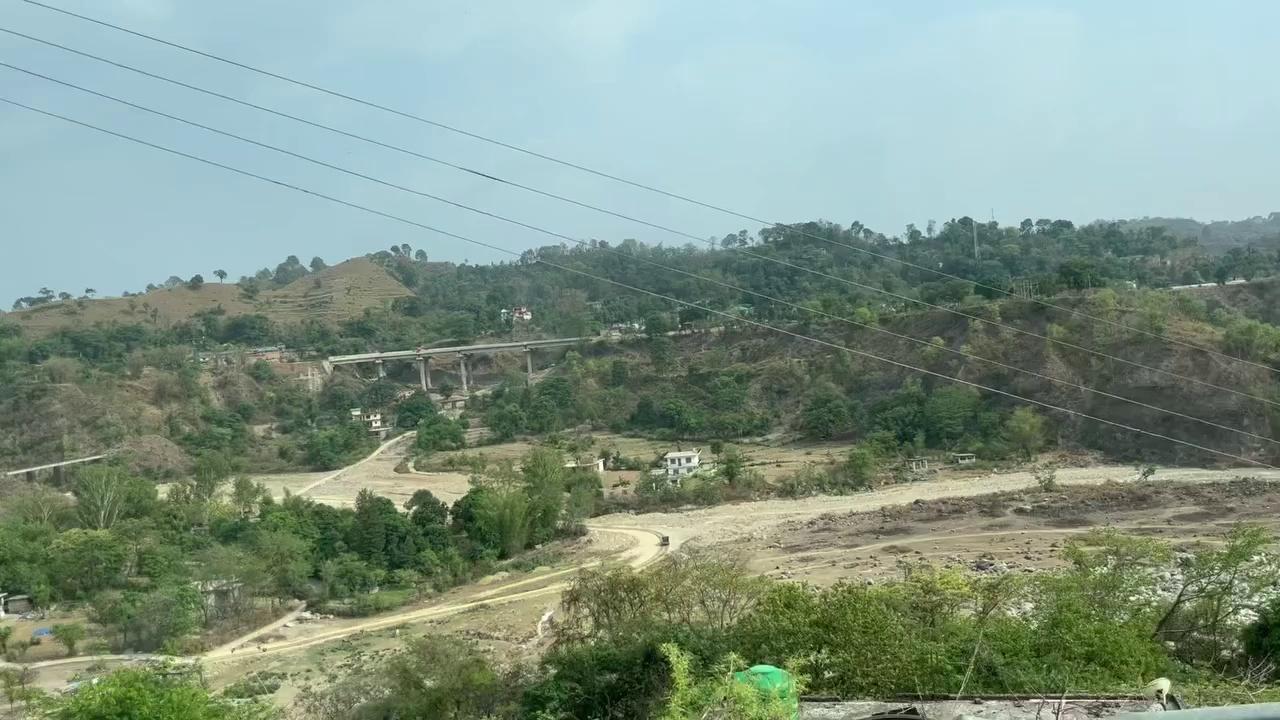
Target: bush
255	684
370	603
1262	638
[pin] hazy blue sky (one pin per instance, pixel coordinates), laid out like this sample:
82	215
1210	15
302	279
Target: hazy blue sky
887	112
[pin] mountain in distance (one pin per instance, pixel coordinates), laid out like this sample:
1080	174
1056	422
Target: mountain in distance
1218	236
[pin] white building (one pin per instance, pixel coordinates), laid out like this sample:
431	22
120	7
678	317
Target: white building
681	462
372	420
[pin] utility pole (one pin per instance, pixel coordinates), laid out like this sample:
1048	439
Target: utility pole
974	223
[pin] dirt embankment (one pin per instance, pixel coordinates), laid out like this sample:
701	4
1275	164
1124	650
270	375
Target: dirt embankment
1021	531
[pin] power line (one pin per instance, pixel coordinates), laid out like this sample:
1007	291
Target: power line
633	183
680	233
646	261
583	273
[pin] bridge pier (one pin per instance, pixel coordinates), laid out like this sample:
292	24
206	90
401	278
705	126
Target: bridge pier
424	373
382	368
528	364
462	371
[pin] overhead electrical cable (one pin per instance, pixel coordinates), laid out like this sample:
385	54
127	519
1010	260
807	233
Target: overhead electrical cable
629	256
627	286
633	183
853	283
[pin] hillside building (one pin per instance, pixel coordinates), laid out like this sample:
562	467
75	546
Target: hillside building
681	462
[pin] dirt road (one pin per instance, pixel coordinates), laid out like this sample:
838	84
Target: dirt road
726	523
644	551
709	526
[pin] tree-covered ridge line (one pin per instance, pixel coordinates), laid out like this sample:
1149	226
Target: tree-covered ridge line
111	382
1049	254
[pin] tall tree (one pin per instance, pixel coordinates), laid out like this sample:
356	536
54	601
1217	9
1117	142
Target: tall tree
220	274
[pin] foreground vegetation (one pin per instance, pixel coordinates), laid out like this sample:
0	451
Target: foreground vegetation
663	643
1123	611
183	570
214	555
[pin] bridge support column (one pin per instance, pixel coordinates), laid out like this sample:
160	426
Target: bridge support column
382	368
31	476
424	373
528	364
462	371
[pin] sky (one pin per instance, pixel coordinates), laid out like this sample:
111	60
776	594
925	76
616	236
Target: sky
883	112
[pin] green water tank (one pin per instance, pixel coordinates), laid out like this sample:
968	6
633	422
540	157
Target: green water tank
772	682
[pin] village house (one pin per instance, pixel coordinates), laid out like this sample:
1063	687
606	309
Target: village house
372	420
681	462
14	604
453	405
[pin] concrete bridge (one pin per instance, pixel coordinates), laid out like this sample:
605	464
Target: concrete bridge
57	467
423	356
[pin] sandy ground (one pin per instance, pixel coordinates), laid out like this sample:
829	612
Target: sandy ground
760	520
818	539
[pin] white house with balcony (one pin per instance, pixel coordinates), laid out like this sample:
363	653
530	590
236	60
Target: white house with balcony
681	462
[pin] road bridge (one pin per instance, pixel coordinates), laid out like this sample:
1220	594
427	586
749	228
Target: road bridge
423	355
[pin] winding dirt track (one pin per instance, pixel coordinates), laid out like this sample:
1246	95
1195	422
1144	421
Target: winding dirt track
645	550
711	525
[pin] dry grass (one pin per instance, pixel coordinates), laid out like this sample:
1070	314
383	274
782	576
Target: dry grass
338	293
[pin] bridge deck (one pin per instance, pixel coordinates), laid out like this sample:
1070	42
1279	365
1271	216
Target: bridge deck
454	350
50	466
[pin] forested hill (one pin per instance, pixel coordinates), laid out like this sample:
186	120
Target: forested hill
134	379
1218	236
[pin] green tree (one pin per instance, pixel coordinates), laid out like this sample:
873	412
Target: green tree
732	466
662	354
544	478
82	562
196	282
287	558
108	493
70	635
152	695
152	619
411	411
439	433
950	414
379	394
221	275
6	632
374	532
425	509
826	414
506	421
1025	431
247	496
858	469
